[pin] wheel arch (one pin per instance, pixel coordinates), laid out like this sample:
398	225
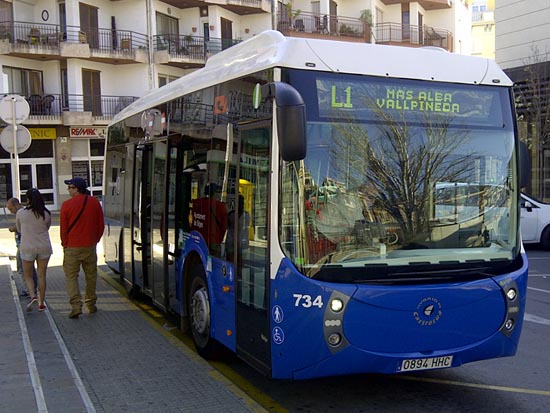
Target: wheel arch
545	236
191	261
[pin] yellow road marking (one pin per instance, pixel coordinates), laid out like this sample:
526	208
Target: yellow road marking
476	385
262	398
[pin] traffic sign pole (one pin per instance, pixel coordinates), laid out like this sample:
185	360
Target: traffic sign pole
14	110
16	189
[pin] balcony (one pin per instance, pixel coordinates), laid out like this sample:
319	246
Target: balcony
426	4
313	25
240	7
187	51
305	24
51	42
413	36
56	109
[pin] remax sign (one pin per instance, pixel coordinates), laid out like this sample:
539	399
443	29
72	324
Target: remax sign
90	132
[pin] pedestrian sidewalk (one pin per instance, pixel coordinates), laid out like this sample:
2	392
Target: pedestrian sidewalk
116	360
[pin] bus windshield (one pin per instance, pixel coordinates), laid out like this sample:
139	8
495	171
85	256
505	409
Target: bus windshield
399	173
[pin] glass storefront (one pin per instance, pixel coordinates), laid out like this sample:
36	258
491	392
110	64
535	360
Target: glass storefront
87	162
36	170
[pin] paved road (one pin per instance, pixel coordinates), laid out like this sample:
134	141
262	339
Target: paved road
116	360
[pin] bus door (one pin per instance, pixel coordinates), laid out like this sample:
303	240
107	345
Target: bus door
252	253
141	210
176	221
158	274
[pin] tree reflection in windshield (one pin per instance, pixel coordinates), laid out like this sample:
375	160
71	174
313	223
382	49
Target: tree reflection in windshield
371	192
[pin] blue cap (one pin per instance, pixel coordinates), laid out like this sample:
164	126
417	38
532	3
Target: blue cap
80	183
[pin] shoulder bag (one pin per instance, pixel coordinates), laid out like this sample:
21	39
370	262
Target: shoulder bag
79	214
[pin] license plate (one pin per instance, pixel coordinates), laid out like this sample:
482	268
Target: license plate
426	363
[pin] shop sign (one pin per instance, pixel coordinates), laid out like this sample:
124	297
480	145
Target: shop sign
43	133
88	132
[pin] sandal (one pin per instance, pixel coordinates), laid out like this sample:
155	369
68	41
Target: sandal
32	303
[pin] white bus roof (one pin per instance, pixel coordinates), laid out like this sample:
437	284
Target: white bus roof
272	49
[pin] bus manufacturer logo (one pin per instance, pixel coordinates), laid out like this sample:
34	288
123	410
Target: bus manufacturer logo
428	311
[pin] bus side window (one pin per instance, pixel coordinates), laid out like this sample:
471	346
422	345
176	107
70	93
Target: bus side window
209	217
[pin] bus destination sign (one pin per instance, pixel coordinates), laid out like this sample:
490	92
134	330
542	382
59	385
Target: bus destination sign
370	98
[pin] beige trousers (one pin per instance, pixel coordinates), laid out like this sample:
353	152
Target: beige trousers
72	260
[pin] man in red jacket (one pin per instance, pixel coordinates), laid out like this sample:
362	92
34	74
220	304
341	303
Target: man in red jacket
81	227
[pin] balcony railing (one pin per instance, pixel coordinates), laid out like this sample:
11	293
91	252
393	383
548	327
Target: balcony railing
32	34
247	3
108	40
191	47
50	106
414	35
245	7
295	22
101	106
300	21
50	36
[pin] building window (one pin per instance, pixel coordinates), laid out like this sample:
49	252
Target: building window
97	147
167	26
165	79
24	82
40	148
6	13
87	162
97	173
81	170
6	190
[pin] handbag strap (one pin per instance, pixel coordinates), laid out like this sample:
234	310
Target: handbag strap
79	214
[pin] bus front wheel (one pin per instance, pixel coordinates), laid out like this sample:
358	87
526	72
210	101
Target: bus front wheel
200	315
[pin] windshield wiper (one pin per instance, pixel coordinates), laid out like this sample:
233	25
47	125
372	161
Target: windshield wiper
448	272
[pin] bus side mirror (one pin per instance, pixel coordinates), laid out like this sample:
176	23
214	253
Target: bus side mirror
291	119
524	165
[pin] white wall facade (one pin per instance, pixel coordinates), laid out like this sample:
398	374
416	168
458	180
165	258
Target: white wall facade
134	79
521	26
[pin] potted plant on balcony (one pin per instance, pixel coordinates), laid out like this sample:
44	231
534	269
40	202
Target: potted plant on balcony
292	14
366	18
188	44
5	35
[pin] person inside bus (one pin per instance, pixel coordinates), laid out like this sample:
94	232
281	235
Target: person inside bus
209	217
239	218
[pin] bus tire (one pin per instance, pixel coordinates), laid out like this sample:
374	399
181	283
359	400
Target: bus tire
134	292
545	238
200	315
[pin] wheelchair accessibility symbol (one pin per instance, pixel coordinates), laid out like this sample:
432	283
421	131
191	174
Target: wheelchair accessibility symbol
278	335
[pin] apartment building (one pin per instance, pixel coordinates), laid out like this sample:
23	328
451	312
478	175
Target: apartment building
483	28
78	63
522	49
440	23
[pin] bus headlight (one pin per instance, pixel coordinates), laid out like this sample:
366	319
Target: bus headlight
334	339
336	305
333	321
513	308
509	324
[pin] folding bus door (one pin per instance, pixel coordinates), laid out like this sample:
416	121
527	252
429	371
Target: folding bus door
252	253
141	212
159	245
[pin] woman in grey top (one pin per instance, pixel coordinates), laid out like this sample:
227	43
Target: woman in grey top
33	223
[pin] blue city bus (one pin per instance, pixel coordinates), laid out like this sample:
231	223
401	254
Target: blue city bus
291	201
